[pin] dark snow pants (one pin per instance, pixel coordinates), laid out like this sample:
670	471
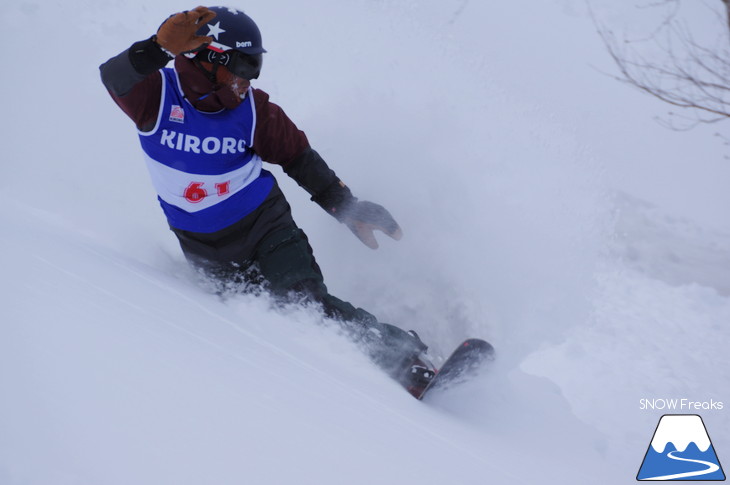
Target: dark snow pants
266	247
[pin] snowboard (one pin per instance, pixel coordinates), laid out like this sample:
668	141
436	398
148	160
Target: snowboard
462	364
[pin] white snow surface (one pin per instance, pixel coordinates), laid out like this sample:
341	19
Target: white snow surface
543	207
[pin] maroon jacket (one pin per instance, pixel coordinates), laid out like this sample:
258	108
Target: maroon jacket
277	138
135	83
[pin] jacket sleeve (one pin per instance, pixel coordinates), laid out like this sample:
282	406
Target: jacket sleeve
278	140
134	82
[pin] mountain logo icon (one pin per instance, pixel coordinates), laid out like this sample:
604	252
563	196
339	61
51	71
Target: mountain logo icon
681	450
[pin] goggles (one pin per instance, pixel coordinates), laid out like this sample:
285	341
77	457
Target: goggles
247	66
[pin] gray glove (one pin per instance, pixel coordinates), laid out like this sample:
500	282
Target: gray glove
363	218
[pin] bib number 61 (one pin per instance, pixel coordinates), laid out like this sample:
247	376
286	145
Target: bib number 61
196	192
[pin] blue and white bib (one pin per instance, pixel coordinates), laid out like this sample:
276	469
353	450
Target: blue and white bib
202	165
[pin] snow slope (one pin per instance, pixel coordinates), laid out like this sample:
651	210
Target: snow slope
543	209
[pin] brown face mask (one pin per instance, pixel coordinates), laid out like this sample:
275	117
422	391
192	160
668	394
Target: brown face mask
206	95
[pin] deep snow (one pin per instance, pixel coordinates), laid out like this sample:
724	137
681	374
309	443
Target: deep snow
543	209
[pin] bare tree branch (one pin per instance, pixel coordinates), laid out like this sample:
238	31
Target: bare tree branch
691	76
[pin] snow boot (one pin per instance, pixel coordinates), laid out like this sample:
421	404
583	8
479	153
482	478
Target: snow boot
418	375
418	370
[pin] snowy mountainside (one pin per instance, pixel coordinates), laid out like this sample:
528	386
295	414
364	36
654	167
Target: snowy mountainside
543	209
672	249
658	329
118	372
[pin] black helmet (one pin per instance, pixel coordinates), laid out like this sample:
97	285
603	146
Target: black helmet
236	43
233	29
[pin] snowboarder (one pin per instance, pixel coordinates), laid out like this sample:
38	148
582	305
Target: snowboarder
204	132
